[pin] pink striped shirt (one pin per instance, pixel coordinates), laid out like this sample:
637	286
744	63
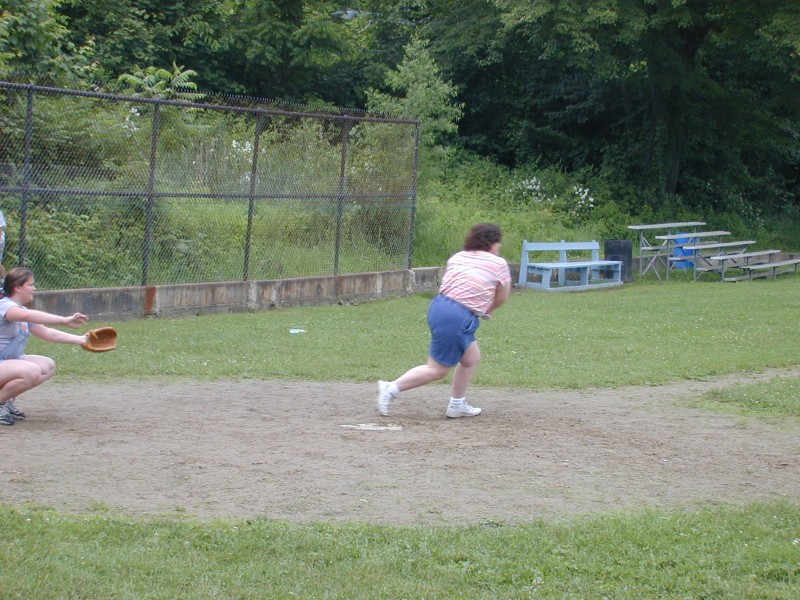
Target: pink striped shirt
471	278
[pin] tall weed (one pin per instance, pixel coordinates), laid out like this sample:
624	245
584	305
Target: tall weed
549	204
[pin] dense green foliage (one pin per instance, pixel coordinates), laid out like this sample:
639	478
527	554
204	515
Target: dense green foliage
660	108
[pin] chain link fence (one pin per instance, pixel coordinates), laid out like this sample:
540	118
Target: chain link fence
102	190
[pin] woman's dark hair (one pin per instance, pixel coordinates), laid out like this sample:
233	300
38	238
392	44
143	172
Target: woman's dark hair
483	236
15	278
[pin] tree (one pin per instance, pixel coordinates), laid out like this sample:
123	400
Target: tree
129	33
664	92
34	45
154	82
279	49
422	93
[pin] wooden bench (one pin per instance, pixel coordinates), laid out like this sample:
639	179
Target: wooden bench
570	275
773	267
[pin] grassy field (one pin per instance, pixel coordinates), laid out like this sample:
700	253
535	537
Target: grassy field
639	334
713	553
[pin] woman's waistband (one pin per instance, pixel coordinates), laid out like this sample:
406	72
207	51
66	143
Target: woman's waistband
457	303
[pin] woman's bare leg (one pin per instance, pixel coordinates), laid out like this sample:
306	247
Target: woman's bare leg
418	376
20	375
465	370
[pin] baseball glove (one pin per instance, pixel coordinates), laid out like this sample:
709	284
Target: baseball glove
101	339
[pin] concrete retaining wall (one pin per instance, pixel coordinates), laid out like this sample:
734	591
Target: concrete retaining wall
125	303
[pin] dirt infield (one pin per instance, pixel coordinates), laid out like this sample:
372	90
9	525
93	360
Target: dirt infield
304	451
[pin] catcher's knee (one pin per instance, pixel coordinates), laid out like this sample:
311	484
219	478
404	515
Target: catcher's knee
45	375
46	366
32	378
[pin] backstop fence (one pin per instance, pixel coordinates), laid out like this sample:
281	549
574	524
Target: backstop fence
105	190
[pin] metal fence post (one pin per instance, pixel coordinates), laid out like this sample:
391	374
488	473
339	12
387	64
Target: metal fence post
340	196
26	178
413	199
147	244
251	202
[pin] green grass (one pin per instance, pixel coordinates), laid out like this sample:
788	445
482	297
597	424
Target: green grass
640	334
772	401
637	334
711	553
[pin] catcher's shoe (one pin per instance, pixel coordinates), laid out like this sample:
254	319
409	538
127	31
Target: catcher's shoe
6	418
12	408
462	410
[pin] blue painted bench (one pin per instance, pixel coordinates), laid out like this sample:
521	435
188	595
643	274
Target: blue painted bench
570	275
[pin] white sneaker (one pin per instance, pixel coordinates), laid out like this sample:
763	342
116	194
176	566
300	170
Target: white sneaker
465	410
385	397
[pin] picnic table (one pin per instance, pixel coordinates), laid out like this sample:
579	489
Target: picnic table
653	253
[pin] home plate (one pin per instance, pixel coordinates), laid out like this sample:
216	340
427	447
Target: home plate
373	427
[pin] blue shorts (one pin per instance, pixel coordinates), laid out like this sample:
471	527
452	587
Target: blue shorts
453	328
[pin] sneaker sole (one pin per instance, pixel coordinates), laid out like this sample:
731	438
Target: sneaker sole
461	415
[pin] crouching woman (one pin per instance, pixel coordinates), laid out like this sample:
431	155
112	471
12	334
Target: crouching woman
20	372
